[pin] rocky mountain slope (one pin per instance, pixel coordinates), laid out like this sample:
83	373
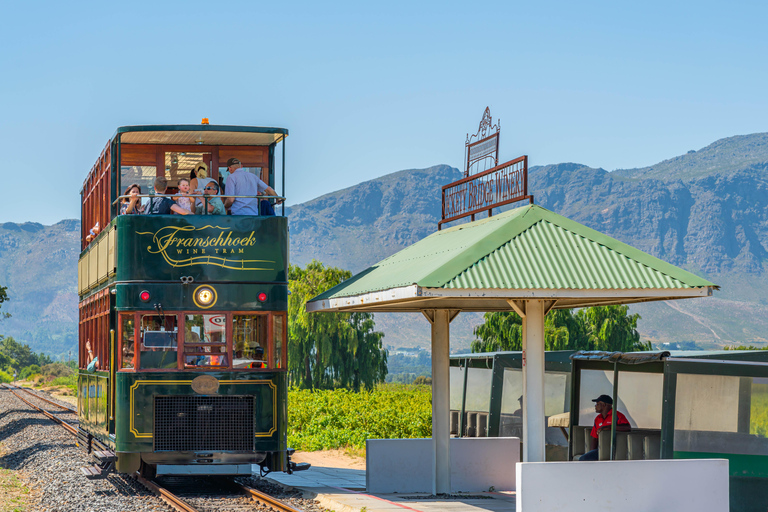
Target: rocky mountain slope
706	211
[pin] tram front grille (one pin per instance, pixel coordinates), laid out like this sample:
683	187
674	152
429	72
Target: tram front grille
204	423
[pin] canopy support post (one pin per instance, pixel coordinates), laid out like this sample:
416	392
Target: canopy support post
441	415
533	380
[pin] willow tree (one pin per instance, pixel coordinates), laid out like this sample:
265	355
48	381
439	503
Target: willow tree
327	350
609	328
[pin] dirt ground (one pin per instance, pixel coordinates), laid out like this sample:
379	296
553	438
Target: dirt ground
330	459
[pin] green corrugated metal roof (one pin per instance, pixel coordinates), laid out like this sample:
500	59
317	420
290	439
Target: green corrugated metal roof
525	248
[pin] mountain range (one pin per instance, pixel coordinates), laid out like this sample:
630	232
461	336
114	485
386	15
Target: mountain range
705	211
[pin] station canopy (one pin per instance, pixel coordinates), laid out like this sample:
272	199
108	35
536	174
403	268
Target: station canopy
522	254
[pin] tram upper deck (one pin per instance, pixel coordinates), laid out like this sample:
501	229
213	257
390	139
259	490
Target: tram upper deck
174	248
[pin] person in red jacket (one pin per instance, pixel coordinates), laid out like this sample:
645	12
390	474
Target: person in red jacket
604	410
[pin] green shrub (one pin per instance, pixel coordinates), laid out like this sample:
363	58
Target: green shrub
56	370
333	419
5	377
69	381
29	371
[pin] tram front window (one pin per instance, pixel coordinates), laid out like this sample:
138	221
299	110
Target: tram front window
127	340
157	341
205	340
250	341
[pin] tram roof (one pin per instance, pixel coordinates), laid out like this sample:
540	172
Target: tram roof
201	134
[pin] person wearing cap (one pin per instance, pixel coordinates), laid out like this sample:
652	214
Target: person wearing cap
604	410
243	183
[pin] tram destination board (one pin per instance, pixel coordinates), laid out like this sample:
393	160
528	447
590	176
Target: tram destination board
501	185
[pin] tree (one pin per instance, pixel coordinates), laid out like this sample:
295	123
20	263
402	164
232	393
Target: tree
21	354
608	328
502	330
3	298
611	328
327	350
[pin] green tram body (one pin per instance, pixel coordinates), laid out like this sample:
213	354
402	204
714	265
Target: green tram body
163	392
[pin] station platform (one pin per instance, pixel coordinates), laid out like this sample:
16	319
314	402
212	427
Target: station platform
343	490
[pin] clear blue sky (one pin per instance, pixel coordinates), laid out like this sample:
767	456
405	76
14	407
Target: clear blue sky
371	88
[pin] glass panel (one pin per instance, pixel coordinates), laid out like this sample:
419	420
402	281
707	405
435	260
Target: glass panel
205	340
641	396
479	389
593	384
141	175
157	341
722	414
126	343
278	335
456	378
249	337
224	173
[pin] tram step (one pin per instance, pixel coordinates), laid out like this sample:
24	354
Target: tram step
104	456
300	466
94	473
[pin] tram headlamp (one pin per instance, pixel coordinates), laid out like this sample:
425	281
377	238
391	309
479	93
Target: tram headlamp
144	296
204	297
262	297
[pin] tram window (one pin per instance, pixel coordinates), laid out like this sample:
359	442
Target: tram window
179	164
250	341
142	175
157	341
278	335
127	340
224	173
205	340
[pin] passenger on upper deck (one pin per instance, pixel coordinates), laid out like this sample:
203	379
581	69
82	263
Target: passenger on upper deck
215	205
184	200
163	205
199	181
243	183
132	205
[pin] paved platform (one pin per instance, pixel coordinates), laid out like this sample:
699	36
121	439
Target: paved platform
343	490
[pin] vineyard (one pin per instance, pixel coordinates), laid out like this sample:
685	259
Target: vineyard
342	419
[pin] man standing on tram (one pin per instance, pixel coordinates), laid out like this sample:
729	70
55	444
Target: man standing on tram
243	183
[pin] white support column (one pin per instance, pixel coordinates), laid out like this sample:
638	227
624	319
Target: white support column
533	381
441	425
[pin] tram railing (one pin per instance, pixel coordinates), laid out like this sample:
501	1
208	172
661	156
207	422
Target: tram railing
204	197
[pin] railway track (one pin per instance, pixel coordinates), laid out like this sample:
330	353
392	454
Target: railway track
184	494
211	494
72	429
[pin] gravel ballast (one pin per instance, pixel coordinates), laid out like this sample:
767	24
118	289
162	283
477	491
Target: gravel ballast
48	461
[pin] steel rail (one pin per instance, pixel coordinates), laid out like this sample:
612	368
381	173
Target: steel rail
68	409
167	496
266	499
71	429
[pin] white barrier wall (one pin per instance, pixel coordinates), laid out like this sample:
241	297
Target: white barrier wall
405	465
623	486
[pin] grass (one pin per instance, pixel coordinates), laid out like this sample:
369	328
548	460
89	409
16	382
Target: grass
14	495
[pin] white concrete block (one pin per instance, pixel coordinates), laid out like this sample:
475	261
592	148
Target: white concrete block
405	465
623	486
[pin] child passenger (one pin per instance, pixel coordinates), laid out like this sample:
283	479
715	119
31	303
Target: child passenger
185	201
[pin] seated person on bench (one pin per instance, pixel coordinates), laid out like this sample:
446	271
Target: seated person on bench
604	410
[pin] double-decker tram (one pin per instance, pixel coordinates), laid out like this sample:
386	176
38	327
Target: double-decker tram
183	317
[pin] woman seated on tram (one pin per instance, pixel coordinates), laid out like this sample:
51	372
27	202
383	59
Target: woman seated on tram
131	205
